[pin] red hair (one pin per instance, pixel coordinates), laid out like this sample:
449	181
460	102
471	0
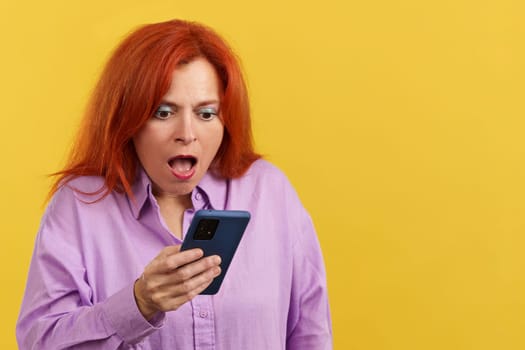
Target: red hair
131	87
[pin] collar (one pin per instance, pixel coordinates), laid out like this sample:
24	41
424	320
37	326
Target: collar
215	188
210	192
141	189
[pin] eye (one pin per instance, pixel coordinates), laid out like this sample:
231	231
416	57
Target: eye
164	112
207	113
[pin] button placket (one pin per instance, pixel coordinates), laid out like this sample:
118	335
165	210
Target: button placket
204	322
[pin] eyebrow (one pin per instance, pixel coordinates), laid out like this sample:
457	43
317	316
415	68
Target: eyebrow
200	104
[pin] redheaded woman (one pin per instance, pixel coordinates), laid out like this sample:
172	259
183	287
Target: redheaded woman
166	133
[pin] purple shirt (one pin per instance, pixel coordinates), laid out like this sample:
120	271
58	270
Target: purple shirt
87	257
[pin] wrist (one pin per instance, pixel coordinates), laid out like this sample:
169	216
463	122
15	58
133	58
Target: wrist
147	311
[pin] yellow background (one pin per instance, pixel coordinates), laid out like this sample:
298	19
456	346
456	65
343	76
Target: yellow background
399	122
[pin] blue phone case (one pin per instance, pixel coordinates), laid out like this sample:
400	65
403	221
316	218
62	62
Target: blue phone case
230	226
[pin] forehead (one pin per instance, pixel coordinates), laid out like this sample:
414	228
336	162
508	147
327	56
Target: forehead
194	80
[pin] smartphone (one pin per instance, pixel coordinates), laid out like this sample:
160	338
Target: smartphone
216	232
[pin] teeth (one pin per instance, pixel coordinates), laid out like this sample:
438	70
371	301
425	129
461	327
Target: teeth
181	164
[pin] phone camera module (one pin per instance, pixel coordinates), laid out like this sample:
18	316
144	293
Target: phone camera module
206	229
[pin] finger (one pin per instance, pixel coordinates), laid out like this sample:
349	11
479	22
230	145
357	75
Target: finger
189	286
168	282
193	269
169	250
186	291
166	264
159	292
163	254
172	250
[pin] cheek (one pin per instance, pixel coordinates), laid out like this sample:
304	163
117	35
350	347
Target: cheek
218	139
147	138
140	144
213	142
145	147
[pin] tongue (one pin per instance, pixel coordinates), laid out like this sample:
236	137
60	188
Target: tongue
181	165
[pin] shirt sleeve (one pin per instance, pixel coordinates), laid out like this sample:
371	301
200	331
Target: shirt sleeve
57	310
309	323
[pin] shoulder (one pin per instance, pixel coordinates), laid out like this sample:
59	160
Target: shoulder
85	184
263	171
265	181
79	206
264	178
80	192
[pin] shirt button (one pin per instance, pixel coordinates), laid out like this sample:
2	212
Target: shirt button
203	314
198	196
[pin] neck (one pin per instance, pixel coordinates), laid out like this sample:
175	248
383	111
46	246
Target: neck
170	200
172	210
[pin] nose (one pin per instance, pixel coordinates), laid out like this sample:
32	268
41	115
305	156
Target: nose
185	132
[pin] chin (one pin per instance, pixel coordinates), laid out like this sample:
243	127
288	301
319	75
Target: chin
183	189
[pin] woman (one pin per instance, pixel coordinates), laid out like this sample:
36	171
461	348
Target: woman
166	133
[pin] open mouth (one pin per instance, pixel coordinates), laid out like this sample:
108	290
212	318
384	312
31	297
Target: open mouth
182	164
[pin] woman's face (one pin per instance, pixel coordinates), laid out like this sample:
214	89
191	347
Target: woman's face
177	145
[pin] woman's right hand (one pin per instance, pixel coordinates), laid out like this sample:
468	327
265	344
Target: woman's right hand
174	278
